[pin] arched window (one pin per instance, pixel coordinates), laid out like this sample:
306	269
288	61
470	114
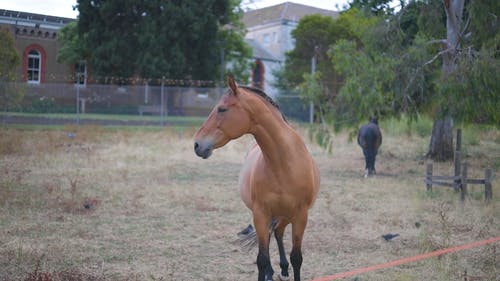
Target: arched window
34	67
258	75
34	60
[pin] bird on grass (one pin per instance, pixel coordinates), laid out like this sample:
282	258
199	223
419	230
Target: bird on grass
388	237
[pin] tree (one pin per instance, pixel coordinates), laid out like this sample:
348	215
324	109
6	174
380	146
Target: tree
469	80
233	48
159	38
9	60
313	36
393	67
379	71
72	48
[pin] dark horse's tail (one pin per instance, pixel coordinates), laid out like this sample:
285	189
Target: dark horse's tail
248	237
370	138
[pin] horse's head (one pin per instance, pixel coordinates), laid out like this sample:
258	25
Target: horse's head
228	120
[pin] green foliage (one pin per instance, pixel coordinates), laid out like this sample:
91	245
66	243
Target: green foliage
484	23
404	125
43	105
366	91
154	39
322	135
385	69
313	35
72	48
312	90
471	93
10	96
429	17
9	59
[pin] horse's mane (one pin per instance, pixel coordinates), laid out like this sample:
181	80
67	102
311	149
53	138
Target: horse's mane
265	97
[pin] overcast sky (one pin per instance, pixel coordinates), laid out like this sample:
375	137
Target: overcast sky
64	8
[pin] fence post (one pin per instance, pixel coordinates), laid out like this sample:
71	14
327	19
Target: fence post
458	158
459	139
488	192
77	99
429	176
463	184
162	101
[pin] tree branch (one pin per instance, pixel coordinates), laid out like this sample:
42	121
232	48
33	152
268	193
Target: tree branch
442	41
437	56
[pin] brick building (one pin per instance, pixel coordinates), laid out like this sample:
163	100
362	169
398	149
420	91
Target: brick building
35	39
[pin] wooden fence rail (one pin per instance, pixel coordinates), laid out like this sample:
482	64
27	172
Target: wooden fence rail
460	180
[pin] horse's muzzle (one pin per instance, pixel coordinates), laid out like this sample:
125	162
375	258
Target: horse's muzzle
203	149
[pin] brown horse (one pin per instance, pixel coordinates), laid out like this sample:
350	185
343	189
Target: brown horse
279	180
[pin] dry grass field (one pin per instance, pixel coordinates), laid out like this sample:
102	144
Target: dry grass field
139	205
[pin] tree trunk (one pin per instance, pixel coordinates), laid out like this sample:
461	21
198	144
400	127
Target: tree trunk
441	146
454	13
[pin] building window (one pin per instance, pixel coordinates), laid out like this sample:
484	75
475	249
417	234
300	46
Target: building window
81	73
34	58
266	39
34	67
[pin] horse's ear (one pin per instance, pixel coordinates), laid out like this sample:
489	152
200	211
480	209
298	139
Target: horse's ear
232	84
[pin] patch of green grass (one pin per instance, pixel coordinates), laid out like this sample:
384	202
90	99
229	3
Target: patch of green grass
421	126
185	120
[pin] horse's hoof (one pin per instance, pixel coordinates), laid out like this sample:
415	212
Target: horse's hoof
283	278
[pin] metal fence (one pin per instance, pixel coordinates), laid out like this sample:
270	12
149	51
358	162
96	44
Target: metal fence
148	104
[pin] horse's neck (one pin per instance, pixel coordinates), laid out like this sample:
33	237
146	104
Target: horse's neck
278	142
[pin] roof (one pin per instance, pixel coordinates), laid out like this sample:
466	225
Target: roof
287	11
23	18
259	52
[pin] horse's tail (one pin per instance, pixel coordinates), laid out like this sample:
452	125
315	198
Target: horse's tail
247	238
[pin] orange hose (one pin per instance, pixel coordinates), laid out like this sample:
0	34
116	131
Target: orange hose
407	260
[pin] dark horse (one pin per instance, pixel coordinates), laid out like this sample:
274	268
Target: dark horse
370	138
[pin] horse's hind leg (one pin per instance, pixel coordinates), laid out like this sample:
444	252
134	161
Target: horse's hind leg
278	234
367	161
373	155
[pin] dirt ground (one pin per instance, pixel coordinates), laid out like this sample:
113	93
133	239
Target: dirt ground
139	205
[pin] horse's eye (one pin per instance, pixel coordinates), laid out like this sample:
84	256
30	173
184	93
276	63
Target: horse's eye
221	109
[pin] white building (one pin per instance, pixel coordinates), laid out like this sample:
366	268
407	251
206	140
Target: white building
269	34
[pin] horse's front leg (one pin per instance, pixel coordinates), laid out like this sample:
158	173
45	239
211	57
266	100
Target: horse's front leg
278	234
262	222
298	228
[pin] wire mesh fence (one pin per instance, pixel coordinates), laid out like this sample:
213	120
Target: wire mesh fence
114	104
